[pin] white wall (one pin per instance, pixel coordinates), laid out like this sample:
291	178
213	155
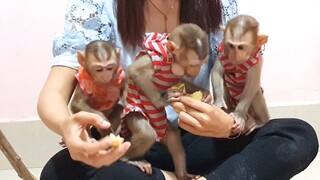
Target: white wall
292	55
290	73
26	31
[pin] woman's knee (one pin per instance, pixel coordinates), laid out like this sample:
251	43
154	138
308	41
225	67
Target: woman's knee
301	142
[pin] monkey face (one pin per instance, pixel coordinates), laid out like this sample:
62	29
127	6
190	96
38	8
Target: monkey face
239	46
237	53
102	73
187	63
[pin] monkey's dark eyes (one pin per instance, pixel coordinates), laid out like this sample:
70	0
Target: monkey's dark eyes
231	46
241	47
109	68
99	70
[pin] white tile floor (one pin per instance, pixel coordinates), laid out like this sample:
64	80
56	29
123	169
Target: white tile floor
311	173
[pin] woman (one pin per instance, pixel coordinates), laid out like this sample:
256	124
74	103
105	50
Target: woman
215	156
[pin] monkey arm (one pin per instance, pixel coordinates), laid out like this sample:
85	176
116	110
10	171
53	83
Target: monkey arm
141	72
218	87
79	103
251	88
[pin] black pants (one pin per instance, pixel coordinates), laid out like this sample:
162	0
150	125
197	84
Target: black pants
279	150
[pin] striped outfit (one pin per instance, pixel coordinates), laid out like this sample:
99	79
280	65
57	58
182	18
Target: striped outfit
155	46
235	76
101	98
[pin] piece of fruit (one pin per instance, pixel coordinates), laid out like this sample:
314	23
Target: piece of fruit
179	87
197	95
117	140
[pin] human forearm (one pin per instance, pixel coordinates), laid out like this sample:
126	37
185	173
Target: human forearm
54	97
53	114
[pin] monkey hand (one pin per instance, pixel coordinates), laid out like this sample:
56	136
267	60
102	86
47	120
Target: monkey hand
159	99
239	123
206	97
198	95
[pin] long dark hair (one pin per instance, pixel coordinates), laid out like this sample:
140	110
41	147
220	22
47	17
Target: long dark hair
131	24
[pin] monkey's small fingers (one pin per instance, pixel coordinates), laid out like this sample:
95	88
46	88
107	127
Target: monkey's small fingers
144	166
208	99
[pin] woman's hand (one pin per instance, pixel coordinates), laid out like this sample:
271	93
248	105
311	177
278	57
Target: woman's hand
85	149
203	119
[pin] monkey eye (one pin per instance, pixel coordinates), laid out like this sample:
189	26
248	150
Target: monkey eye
231	46
241	47
109	68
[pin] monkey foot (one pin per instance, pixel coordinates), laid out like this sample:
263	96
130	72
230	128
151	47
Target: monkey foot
143	165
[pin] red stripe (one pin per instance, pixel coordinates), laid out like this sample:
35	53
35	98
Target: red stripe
223	58
161	127
242	66
159	119
132	95
153	111
146	103
166	79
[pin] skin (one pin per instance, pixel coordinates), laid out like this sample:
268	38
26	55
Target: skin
203	119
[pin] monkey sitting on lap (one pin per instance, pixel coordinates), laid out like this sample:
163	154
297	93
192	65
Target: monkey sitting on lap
100	83
164	62
236	74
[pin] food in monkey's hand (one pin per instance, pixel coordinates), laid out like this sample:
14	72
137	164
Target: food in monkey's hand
181	88
196	95
117	140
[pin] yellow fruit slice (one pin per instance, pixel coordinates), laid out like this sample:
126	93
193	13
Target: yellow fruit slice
117	140
197	95
179	87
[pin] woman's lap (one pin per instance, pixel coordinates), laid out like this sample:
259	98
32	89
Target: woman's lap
281	149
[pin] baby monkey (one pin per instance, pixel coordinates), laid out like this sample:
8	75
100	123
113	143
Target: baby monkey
164	62
237	72
100	83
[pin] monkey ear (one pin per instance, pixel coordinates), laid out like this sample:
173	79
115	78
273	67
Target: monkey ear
171	46
262	39
118	52
222	27
81	58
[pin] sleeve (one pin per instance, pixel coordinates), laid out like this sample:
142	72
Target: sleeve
85	20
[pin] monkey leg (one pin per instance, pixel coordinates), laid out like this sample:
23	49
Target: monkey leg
143	136
114	118
259	108
173	142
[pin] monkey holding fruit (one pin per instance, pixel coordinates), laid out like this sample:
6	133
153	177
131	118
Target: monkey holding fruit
164	62
237	72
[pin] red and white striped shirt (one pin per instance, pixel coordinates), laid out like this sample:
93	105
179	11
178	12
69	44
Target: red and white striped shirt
235	75
155	46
